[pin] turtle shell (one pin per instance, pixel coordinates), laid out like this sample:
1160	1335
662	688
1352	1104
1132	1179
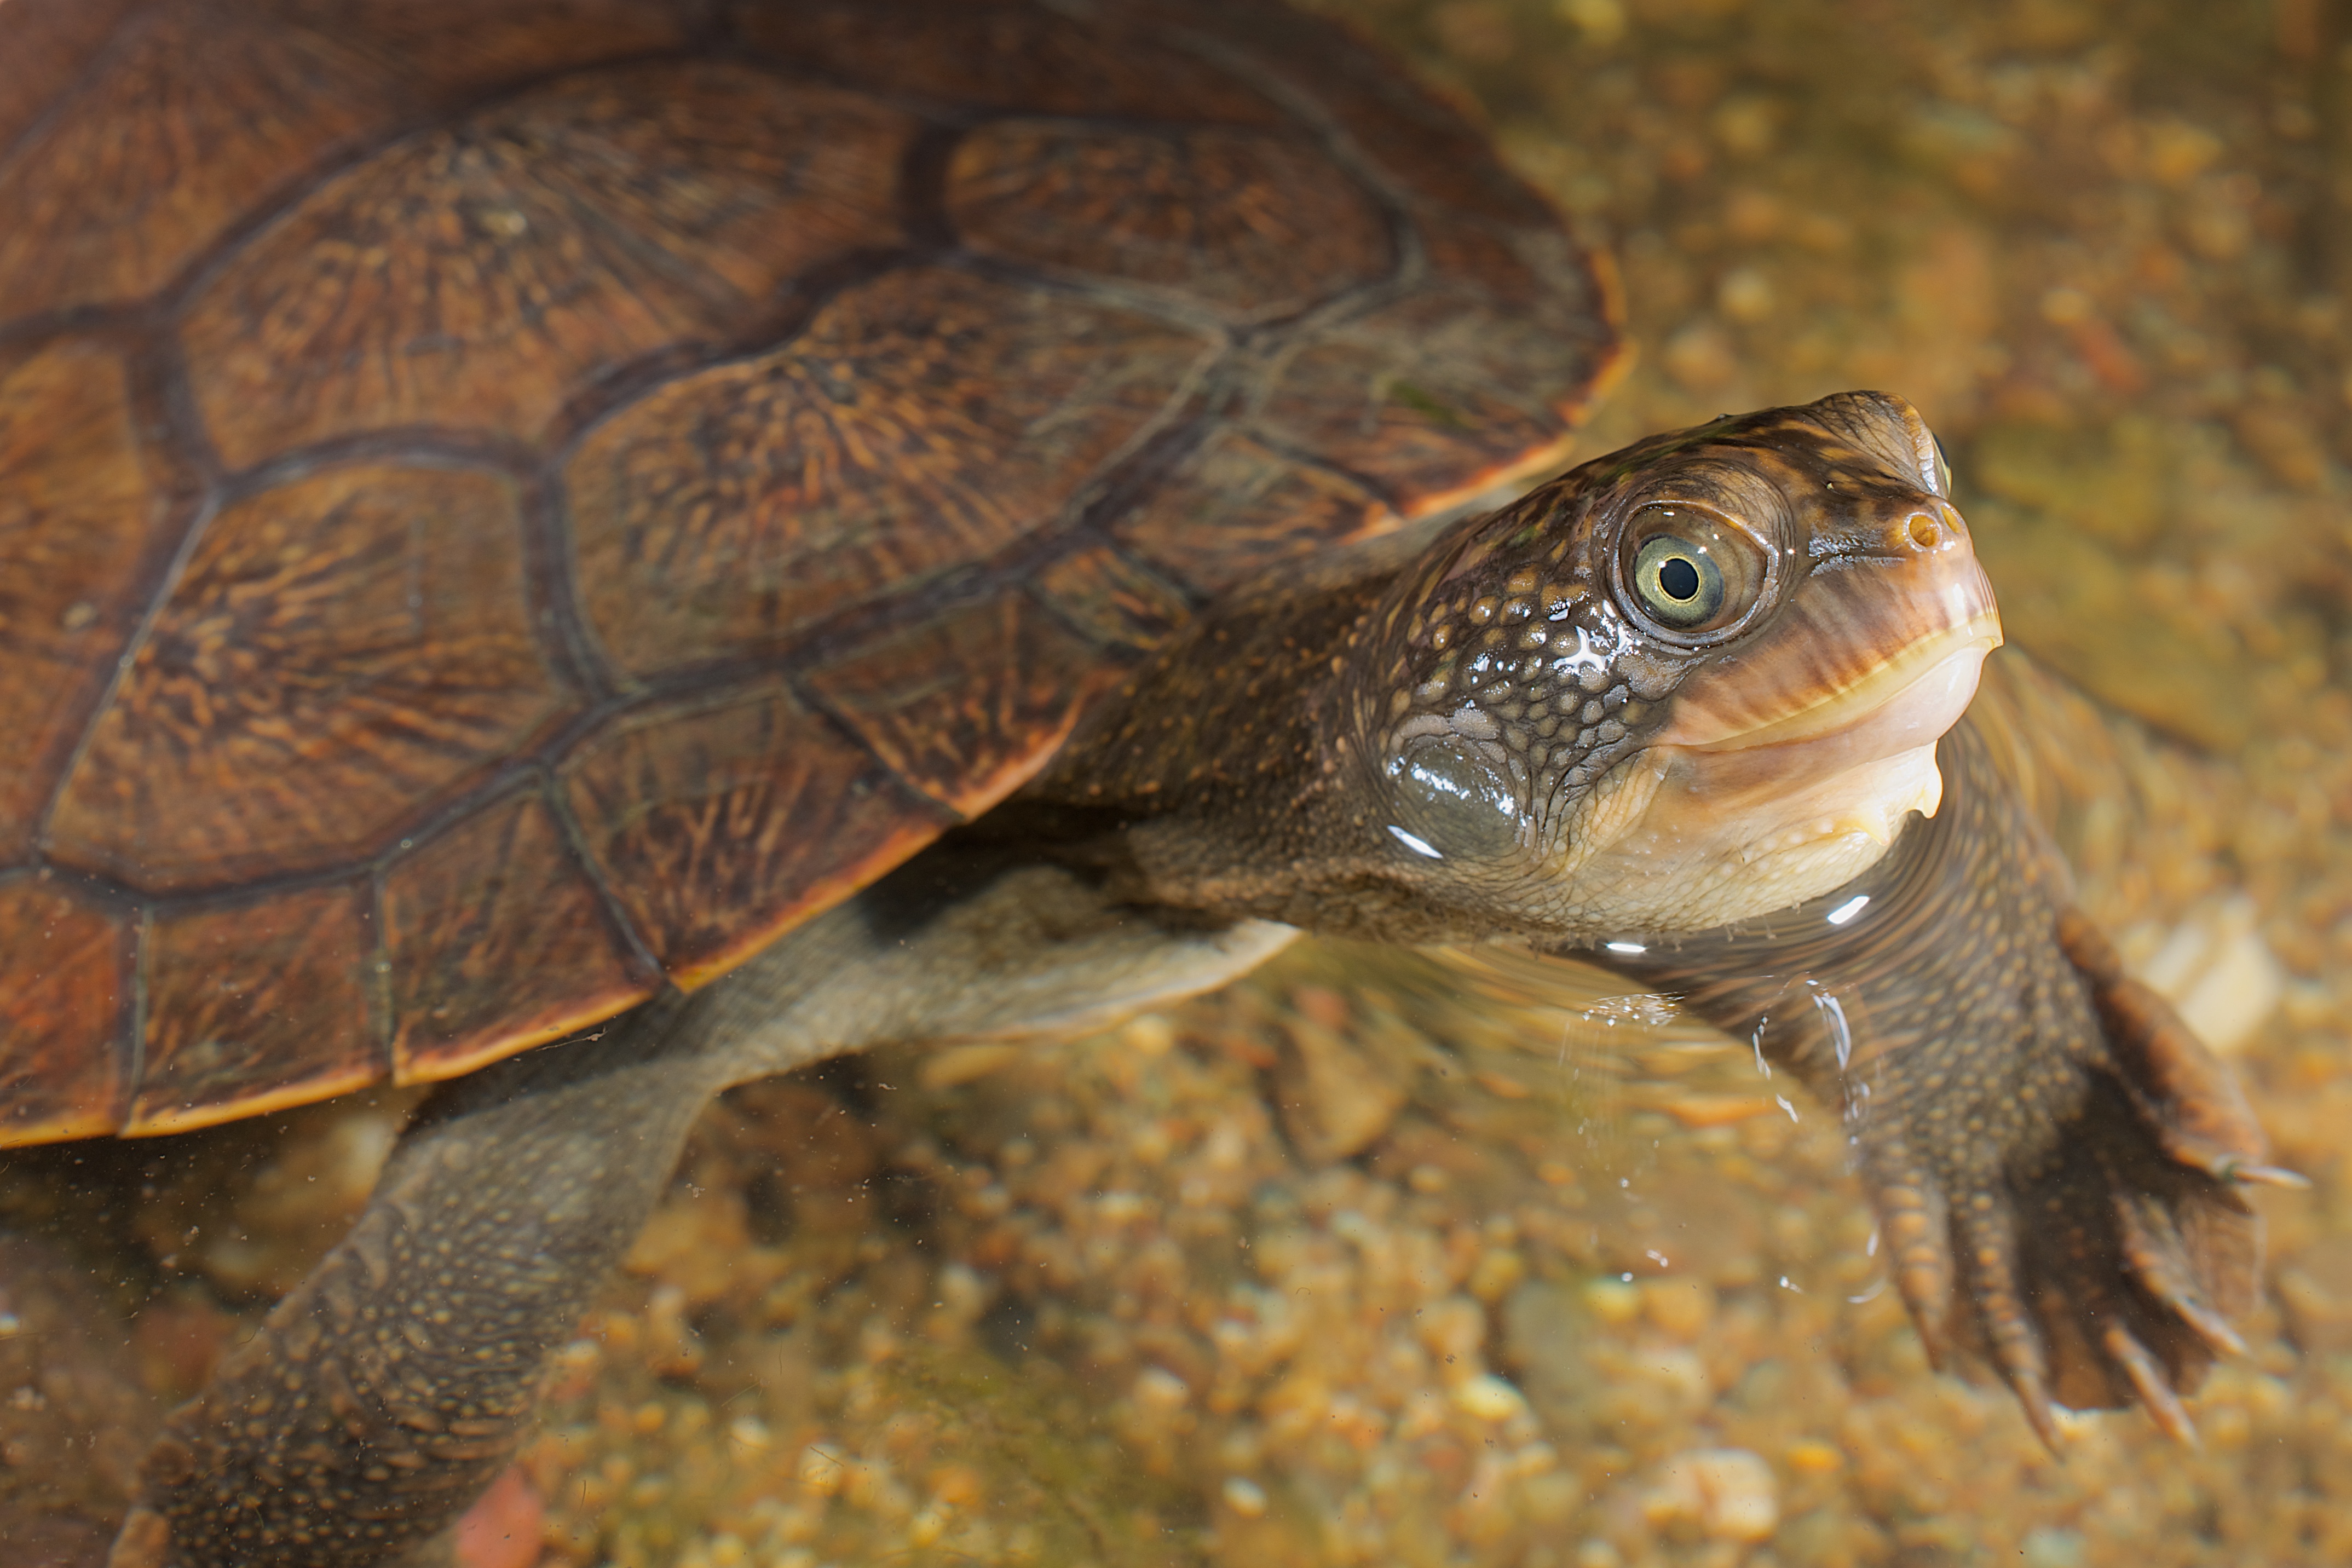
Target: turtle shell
509	504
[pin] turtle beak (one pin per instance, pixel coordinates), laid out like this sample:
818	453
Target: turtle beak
1788	765
1876	656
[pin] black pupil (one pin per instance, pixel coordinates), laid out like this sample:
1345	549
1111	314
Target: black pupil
1679	578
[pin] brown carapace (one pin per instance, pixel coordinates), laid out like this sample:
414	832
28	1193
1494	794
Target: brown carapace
500	505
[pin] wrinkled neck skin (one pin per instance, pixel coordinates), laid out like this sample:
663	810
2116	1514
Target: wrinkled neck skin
1846	985
1498	737
1222	782
1227	780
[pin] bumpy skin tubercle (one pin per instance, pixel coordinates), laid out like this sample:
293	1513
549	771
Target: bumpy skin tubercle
1495	739
1597	713
403	1374
2056	1162
1499	739
400	1377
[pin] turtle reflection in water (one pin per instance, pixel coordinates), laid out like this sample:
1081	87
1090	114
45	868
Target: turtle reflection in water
787	526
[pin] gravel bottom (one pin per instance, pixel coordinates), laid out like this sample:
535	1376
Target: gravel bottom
1383	1260
1380	1259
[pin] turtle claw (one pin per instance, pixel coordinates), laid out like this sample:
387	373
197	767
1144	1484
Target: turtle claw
2188	1098
2093	1252
2101	1264
2013	1340
2149	1381
2061	1170
2156	1256
1911	1223
2078	1286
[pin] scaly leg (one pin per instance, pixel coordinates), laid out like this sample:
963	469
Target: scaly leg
400	1377
2058	1165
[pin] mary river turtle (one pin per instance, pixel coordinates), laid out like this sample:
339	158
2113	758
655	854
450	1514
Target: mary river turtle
771	526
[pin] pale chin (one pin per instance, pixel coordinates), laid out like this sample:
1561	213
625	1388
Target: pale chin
1682	839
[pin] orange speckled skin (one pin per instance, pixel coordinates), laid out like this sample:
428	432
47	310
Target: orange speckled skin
602	479
2056	1162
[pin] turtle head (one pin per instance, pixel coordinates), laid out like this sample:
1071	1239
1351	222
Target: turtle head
1694	680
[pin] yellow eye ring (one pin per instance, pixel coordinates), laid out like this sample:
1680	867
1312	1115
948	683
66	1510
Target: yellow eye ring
1691	573
1677	581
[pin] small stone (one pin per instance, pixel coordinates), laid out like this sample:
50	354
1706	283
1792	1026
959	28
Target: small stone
1683	1308
2179	152
503	1528
1335	1099
1737	1496
2063	306
2051	1546
824	1469
1700	357
1452	1328
1744	295
2308	1005
1122	1208
2315	1288
1812	1457
1497	1271
1747	125
1244	1496
2219	972
957	1065
1149	1035
1535	1458
1160	1389
1615	1301
1488	1398
1677	1371
1602	22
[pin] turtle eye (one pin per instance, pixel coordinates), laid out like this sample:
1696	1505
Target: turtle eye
1691	571
1678	581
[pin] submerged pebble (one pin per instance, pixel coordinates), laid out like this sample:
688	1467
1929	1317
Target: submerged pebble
1375	1260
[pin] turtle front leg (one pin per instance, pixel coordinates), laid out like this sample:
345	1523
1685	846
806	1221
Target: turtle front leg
394	1385
2088	1233
2057	1164
395	1382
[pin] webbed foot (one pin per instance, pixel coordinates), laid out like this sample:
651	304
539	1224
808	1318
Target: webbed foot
2059	1167
2101	1266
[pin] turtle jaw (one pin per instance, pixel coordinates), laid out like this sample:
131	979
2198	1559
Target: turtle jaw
1785	771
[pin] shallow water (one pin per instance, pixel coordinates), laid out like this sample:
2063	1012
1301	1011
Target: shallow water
1433	1261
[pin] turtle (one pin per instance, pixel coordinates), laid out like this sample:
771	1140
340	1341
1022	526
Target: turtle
585	552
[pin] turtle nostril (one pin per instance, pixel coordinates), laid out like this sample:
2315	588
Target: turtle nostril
1925	531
